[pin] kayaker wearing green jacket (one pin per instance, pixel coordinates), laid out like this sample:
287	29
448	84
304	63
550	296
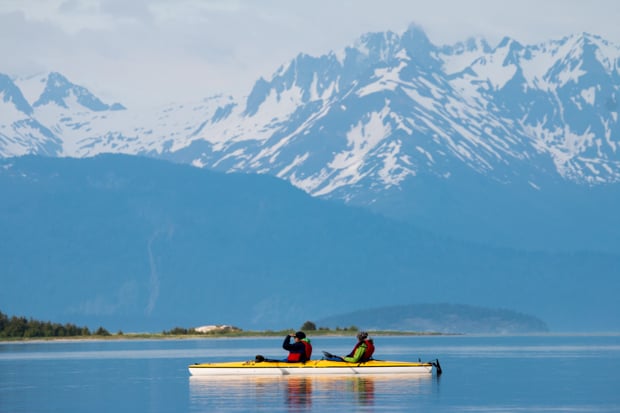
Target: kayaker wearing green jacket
363	350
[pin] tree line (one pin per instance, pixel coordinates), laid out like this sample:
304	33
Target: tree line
21	327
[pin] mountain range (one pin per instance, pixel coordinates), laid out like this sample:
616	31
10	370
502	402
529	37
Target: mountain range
445	137
505	149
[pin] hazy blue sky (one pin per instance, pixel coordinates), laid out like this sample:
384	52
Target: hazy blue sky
159	51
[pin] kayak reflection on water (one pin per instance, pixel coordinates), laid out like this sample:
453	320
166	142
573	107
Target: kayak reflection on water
299	391
364	389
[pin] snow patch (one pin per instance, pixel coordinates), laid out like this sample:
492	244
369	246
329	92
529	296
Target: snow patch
299	159
392	173
362	138
387	79
589	95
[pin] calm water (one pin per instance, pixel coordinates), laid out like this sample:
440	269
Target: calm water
489	374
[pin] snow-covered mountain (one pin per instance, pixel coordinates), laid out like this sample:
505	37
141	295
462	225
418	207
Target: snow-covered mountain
366	121
372	115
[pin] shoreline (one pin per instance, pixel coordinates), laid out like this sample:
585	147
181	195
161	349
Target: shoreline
203	336
271	334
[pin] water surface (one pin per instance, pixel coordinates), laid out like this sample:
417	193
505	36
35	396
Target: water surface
480	373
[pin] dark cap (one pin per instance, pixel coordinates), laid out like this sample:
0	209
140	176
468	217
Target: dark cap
300	335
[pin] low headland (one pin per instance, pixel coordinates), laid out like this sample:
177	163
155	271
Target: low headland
23	329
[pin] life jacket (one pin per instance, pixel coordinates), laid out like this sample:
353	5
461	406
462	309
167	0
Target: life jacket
370	349
308	348
297	357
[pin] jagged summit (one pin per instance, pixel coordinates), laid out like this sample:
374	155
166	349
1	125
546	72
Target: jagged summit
59	90
373	123
395	96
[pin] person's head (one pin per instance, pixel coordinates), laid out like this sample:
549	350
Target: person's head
362	335
300	335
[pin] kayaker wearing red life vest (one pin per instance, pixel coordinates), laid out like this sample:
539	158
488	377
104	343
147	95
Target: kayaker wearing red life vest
300	350
363	349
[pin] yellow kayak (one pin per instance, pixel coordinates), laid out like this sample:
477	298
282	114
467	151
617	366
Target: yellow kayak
312	367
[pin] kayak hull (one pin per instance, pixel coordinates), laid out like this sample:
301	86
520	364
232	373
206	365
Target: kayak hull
313	367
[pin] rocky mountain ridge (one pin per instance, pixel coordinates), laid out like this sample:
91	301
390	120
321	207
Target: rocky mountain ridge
375	114
392	123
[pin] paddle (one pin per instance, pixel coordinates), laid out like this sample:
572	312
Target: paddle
332	356
259	359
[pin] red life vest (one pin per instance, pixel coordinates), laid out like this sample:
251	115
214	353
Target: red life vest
370	349
297	357
308	349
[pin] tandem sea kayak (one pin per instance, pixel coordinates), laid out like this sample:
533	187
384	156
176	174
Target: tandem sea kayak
312	367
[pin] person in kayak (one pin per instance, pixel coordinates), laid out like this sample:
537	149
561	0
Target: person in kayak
362	351
300	350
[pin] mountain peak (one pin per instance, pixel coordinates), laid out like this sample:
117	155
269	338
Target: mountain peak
379	46
419	48
510	43
417	32
11	93
592	38
59	90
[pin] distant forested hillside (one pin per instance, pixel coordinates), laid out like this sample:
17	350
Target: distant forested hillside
442	318
136	244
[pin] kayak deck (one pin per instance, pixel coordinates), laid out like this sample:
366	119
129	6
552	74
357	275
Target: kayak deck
281	368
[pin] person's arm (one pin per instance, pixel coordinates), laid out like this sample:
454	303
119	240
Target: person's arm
358	354
286	345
